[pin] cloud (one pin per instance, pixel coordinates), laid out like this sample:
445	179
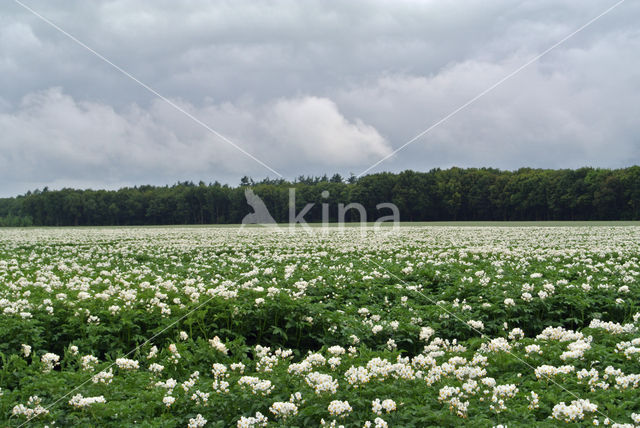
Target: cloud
311	88
53	138
573	108
315	129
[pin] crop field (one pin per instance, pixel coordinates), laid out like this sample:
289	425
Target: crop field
221	327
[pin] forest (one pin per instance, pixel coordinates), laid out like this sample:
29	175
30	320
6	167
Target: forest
454	194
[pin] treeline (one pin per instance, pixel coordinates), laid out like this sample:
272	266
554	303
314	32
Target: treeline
452	194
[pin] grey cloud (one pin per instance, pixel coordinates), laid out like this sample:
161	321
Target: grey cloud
571	109
310	87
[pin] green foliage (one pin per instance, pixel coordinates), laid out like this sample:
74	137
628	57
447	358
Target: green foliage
145	286
438	195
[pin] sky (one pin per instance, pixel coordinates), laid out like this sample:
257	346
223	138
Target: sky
310	87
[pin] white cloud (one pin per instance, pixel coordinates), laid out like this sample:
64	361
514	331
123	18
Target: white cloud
54	138
314	128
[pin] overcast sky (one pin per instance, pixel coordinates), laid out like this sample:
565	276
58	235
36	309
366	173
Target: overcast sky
309	87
